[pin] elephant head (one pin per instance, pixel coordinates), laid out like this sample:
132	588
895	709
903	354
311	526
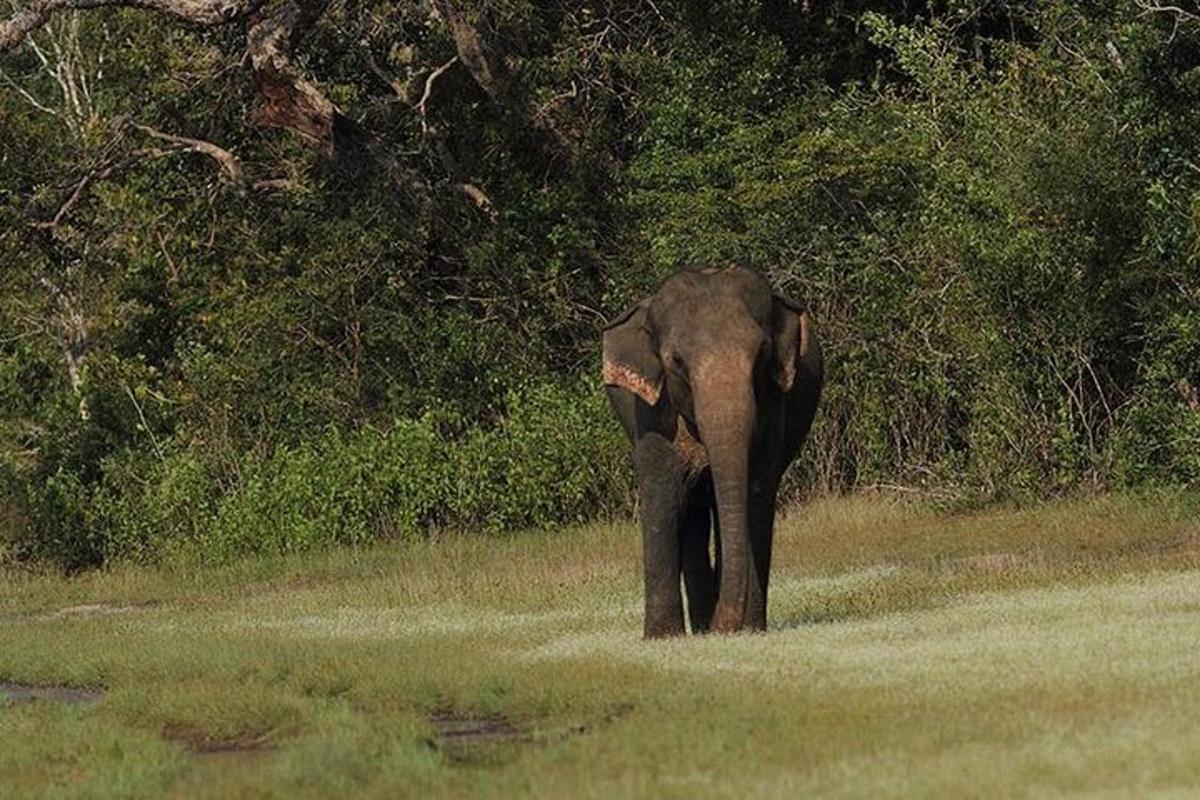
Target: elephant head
716	348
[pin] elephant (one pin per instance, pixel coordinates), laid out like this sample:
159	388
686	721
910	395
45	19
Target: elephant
715	380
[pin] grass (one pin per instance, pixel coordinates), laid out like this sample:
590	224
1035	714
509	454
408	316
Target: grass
1039	652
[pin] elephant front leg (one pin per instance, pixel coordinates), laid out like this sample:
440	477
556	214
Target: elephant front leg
762	539
699	576
661	491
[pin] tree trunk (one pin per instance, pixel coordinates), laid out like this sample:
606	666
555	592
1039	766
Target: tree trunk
72	339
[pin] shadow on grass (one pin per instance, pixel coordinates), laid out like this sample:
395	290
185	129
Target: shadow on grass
854	609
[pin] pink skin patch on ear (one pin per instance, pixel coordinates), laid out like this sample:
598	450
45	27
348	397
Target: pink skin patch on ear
620	375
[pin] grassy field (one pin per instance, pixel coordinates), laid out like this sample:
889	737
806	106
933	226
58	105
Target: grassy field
1044	652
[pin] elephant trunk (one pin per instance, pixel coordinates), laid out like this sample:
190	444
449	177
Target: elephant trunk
725	415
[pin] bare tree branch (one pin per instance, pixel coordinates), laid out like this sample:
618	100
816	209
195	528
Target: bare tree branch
115	164
228	162
1149	7
487	67
287	99
79	190
72	338
490	70
398	86
33	101
432	132
478	197
199	12
145	425
433	76
1180	15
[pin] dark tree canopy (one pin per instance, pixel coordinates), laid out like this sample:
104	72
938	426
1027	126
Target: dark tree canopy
284	273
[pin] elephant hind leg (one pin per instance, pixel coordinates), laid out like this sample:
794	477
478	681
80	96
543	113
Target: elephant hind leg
699	575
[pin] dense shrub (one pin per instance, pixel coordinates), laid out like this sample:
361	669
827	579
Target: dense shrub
983	241
553	457
557	457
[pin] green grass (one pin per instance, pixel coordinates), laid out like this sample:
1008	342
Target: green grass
1030	652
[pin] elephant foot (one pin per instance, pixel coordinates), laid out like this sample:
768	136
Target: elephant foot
663	622
756	619
733	620
661	631
700	612
727	619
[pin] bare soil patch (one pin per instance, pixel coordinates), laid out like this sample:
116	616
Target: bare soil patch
203	746
475	739
26	693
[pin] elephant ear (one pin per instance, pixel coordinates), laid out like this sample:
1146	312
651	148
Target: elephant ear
793	339
629	358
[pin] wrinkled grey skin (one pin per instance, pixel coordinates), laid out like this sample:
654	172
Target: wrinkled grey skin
716	381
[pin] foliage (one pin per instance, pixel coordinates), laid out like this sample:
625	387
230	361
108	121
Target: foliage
993	210
549	460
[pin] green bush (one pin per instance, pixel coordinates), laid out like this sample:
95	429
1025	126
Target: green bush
338	489
148	508
61	531
555	456
1159	440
